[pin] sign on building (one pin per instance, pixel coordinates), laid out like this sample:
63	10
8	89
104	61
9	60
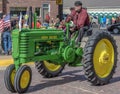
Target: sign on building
59	2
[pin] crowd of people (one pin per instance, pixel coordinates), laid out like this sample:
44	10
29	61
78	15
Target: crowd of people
104	21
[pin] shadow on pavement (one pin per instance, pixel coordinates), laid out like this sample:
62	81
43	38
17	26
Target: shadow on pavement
67	77
70	72
115	79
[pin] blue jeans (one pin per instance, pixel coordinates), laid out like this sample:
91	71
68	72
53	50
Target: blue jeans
7	44
102	25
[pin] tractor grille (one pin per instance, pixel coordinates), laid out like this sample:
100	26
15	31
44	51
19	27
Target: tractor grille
24	45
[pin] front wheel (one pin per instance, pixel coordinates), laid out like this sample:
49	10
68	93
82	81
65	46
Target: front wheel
48	69
23	79
100	58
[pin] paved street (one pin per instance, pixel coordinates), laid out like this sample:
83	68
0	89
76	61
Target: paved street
71	81
28	18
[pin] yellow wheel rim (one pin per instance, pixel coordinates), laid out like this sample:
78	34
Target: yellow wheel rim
12	76
51	67
103	58
25	78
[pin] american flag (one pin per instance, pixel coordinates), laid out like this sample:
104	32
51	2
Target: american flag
1	25
5	22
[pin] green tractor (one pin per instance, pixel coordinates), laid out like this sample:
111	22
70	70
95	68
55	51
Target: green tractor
52	49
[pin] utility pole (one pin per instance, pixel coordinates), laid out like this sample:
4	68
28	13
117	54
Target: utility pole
60	11
60	8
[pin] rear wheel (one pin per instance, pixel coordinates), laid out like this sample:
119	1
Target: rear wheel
100	58
89	33
48	69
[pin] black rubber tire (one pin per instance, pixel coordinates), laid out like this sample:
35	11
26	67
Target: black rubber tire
89	33
45	72
7	78
88	65
18	78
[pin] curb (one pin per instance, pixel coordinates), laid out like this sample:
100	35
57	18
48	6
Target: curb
7	62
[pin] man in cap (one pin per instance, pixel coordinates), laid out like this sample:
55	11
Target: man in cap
80	18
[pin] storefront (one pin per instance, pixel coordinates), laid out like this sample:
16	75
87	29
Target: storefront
41	7
14	11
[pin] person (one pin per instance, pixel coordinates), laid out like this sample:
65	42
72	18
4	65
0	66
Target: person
45	23
117	20
104	21
81	21
7	41
23	21
52	24
107	21
101	22
13	24
47	17
26	21
62	25
113	20
90	18
1	33
57	22
38	24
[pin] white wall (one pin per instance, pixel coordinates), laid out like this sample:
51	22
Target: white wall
109	10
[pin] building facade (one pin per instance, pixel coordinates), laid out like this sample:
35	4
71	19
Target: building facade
41	7
1	3
94	6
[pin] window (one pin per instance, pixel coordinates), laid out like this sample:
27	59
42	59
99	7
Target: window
15	11
45	5
37	10
46	10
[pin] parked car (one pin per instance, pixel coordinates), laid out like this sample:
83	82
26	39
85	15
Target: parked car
114	28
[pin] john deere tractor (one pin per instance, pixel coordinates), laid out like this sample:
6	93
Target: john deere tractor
52	49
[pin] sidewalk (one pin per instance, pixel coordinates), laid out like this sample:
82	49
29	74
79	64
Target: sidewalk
7	60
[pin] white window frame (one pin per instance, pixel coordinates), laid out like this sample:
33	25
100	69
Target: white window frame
47	7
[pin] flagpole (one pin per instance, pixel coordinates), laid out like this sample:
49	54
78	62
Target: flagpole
20	22
60	8
30	17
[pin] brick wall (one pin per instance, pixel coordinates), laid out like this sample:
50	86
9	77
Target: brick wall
0	5
53	7
34	3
